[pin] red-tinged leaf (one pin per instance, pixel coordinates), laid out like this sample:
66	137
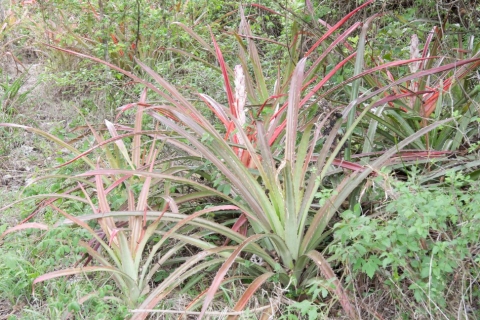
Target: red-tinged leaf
242	56
121	146
99	139
143	202
163	109
230	129
326	25
292	111
348	165
223	271
330	48
78	221
40	206
101	195
264	8
164	176
114	38
240	221
237	174
404	157
226	80
107	224
138	128
169	202
336	26
113	236
143	197
390	75
326	79
217	108
89	199
116	183
267	101
306	85
309	153
95	13
24	226
355	88
427	45
421	153
350	182
74	271
415	156
394	97
237	225
407	153
252	288
328	273
429	105
124	108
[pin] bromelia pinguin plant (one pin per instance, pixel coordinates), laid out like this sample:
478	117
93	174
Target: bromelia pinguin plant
275	162
415	103
122	246
279	204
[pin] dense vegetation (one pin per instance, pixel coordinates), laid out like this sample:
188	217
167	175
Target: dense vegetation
264	160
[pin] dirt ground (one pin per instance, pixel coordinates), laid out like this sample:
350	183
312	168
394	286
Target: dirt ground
25	154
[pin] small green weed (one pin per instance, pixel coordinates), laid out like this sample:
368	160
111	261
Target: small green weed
422	244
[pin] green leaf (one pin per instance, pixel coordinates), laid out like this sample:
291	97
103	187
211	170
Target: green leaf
74	306
372	265
226	189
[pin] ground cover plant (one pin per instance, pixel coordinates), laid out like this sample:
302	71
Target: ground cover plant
430	234
270	183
